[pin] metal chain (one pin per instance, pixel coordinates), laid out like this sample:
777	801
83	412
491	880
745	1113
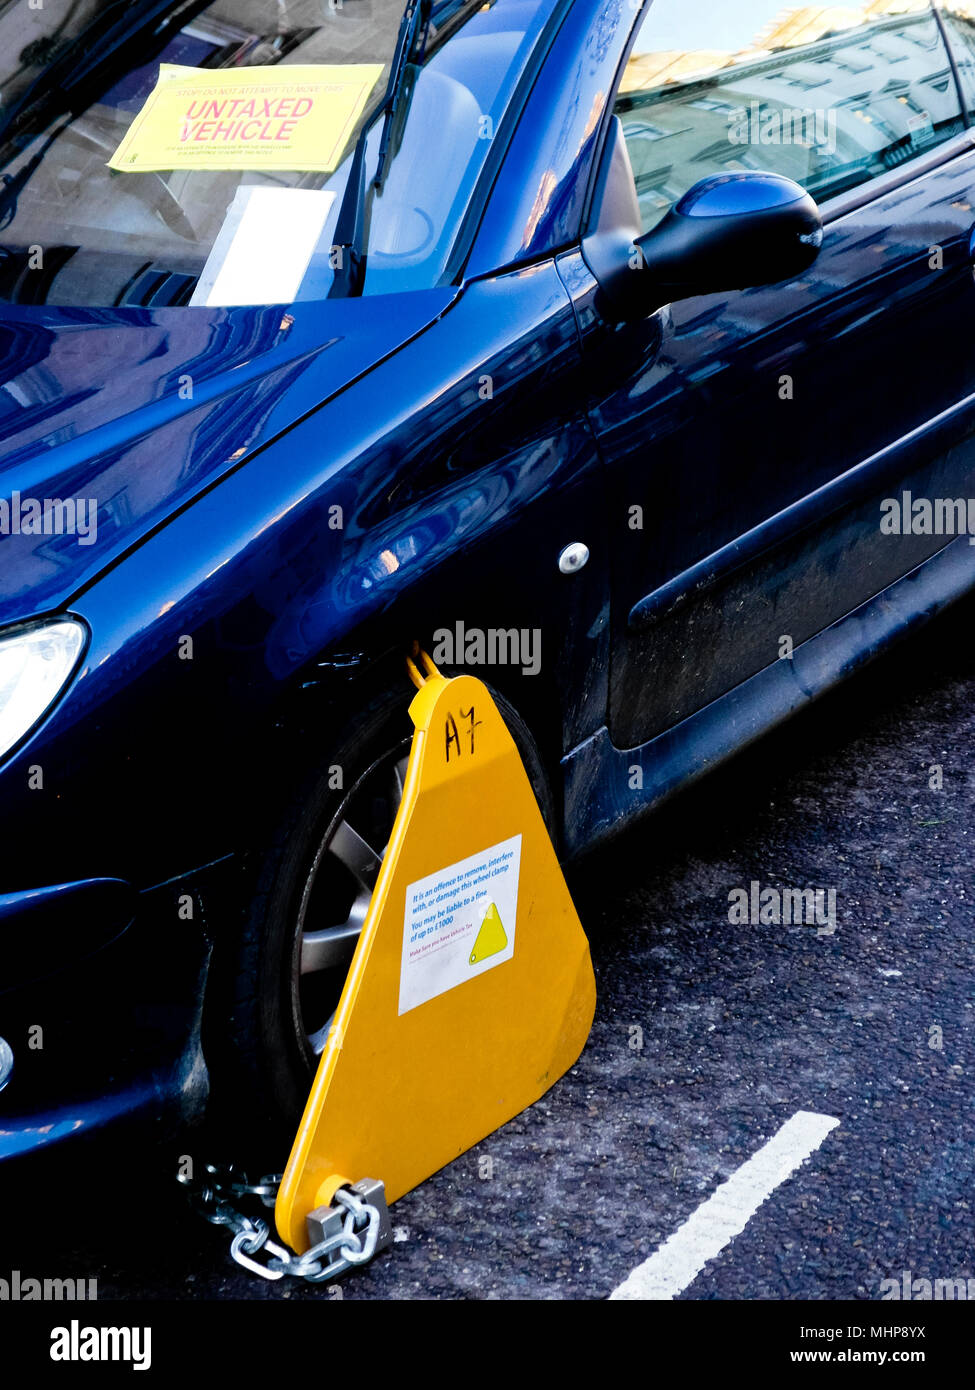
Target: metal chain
354	1244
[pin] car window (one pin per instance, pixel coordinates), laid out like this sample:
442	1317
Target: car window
958	17
84	222
829	95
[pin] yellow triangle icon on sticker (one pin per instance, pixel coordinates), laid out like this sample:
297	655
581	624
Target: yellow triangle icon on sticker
491	938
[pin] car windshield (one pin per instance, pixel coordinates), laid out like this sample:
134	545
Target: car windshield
196	154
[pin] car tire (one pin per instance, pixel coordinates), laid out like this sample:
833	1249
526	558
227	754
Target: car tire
266	1018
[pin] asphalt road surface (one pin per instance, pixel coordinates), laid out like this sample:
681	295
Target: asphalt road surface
709	1038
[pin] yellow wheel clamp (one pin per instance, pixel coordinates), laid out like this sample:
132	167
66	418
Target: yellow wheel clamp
471	990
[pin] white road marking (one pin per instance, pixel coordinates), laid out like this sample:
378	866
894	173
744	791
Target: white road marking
727	1211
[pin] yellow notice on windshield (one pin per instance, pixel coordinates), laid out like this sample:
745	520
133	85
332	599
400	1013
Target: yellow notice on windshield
293	118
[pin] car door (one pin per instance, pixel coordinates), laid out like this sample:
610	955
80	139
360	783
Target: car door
751	437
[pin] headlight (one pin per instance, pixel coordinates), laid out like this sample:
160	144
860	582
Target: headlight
34	666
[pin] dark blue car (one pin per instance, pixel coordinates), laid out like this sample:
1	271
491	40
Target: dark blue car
622	354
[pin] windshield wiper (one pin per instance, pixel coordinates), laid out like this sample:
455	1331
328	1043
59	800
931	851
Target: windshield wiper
350	227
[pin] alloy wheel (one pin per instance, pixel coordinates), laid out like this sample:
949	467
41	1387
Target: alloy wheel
336	893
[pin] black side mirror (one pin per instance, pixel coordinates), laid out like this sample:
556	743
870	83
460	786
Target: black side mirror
728	232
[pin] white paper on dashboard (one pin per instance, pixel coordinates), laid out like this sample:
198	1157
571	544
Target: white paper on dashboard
264	247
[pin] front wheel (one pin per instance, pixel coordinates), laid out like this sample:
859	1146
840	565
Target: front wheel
276	989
